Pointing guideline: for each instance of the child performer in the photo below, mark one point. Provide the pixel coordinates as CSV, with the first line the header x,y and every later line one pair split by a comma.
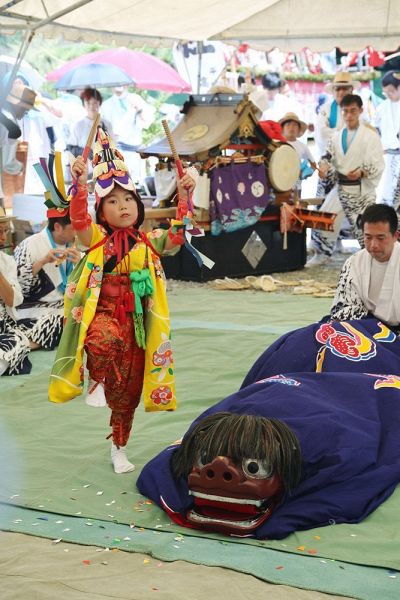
x,y
115,305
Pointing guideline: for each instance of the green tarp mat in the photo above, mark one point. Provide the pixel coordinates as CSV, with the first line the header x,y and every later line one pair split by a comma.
x,y
55,459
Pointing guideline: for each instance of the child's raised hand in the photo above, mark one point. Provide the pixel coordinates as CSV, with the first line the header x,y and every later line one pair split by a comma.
x,y
186,183
79,170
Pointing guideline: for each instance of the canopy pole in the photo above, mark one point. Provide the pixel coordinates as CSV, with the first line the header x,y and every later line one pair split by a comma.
x,y
200,54
61,13
9,4
21,53
28,38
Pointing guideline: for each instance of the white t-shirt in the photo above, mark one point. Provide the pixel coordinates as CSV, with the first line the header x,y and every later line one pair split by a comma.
x,y
387,119
303,151
81,129
127,122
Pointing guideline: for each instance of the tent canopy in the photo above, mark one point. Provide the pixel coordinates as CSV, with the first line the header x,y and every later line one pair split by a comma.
x,y
288,24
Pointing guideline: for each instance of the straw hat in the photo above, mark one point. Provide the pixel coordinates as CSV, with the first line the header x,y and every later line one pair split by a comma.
x,y
22,96
221,89
5,218
342,79
290,116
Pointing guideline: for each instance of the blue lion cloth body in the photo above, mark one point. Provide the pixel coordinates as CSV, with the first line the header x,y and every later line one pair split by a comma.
x,y
346,417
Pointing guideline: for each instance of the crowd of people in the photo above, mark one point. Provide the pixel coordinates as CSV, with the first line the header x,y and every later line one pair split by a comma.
x,y
96,285
63,124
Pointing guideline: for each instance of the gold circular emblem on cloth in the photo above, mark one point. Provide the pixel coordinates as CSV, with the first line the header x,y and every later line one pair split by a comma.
x,y
195,133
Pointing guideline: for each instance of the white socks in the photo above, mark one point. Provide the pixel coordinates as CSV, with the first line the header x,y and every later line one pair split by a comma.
x,y
96,396
3,366
118,458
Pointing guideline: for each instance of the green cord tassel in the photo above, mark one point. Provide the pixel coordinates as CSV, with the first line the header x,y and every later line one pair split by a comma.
x,y
142,286
140,333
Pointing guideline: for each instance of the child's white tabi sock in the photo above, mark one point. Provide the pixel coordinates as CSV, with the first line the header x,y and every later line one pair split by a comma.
x,y
95,396
119,460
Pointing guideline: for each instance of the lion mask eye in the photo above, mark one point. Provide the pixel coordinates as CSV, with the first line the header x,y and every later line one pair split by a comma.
x,y
255,468
201,460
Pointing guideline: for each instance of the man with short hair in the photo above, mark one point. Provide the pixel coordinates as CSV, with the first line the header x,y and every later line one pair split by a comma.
x,y
44,262
369,284
355,159
387,121
330,119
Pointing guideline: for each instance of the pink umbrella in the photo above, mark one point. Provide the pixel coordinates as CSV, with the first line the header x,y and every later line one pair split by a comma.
x,y
148,72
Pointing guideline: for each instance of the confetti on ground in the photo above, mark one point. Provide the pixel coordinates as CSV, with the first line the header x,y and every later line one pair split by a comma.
x,y
158,526
178,538
86,485
323,561
176,546
317,537
86,562
99,493
104,562
146,561
302,548
312,551
58,522
90,524
57,541
66,529
127,538
78,513
14,496
353,535
66,549
132,525
17,521
279,568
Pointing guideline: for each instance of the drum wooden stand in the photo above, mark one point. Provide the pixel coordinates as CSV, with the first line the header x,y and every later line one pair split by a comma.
x,y
226,250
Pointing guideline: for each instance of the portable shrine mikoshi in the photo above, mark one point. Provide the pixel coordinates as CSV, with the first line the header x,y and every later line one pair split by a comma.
x,y
247,170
